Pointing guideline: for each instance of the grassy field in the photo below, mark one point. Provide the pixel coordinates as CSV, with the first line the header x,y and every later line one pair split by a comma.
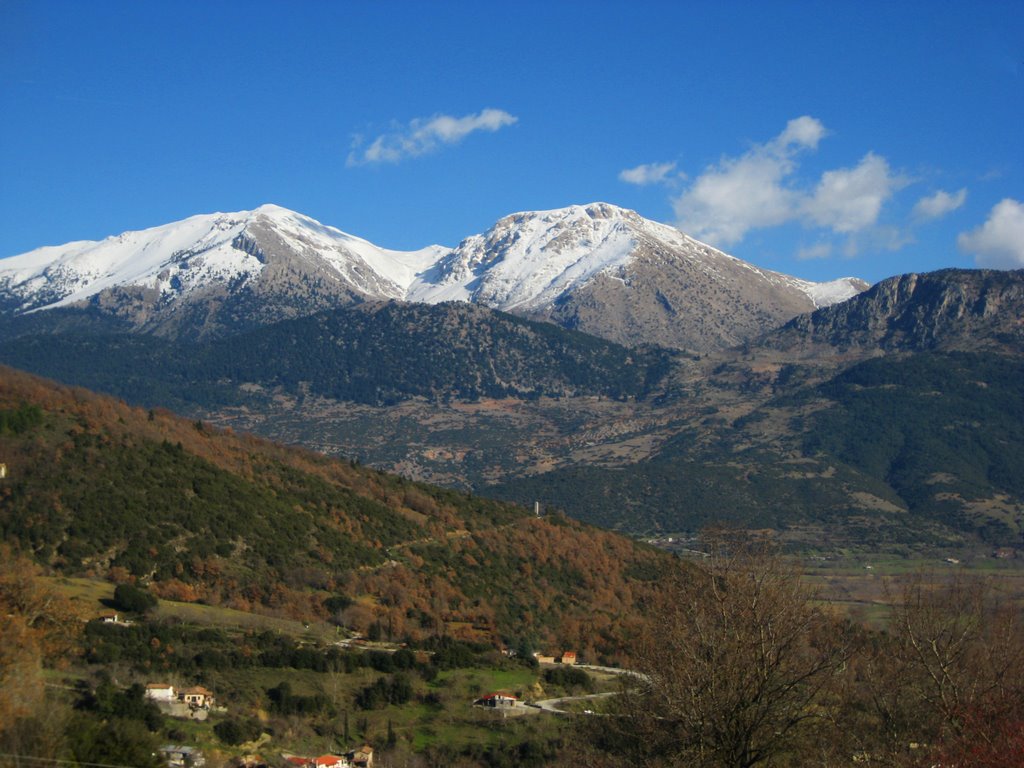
x,y
865,587
93,597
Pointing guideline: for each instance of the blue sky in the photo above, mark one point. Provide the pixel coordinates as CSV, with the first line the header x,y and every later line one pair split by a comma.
x,y
820,139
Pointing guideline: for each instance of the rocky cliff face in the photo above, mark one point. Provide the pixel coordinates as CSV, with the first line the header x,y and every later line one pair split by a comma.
x,y
951,309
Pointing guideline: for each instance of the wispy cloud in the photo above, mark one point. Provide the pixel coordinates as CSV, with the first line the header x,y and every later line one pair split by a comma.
x,y
938,205
999,242
425,135
648,173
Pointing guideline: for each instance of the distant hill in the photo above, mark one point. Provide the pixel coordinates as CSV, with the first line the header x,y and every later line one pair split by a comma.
x,y
896,418
898,452
377,354
97,487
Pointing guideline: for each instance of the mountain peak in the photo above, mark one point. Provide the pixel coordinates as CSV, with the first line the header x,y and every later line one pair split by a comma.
x,y
596,267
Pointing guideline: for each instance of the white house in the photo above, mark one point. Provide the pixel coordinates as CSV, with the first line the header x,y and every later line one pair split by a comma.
x,y
160,692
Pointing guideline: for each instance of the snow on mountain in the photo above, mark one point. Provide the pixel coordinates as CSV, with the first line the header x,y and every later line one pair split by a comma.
x,y
215,249
599,268
530,258
835,291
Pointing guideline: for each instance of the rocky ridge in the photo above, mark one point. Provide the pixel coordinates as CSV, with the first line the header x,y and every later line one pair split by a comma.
x,y
951,309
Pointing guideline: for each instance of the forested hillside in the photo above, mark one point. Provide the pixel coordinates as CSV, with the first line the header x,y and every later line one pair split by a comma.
x,y
96,487
377,355
906,451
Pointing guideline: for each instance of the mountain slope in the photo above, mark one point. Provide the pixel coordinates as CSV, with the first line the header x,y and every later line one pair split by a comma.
x,y
903,451
211,273
609,272
897,417
597,268
96,487
948,309
375,354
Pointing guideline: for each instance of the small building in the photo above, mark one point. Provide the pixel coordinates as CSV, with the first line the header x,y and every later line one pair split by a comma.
x,y
197,697
3,471
330,761
182,757
542,659
160,692
112,617
498,700
361,757
568,657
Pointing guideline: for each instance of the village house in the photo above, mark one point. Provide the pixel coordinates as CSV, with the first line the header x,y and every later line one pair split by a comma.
x,y
330,761
160,692
197,697
542,659
361,757
357,758
568,657
498,700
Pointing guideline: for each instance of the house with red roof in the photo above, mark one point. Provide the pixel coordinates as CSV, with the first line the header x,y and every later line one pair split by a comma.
x,y
499,700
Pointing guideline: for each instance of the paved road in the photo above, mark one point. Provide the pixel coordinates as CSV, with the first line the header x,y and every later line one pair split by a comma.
x,y
555,705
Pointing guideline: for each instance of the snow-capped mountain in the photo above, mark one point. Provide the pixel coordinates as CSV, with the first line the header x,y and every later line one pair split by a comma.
x,y
612,273
598,268
215,270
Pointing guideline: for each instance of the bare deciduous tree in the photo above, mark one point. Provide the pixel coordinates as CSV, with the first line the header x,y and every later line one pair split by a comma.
x,y
947,677
737,665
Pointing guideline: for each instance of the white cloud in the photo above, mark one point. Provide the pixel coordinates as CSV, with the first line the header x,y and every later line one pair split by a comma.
x,y
999,242
747,192
938,205
762,188
648,173
805,131
424,135
848,200
737,195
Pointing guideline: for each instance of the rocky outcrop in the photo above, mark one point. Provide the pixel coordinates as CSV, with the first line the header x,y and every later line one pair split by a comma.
x,y
946,310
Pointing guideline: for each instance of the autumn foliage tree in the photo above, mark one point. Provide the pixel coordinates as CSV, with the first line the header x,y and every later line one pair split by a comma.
x,y
39,628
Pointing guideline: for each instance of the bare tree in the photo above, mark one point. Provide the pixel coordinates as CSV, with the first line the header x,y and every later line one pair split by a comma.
x,y
737,666
947,679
